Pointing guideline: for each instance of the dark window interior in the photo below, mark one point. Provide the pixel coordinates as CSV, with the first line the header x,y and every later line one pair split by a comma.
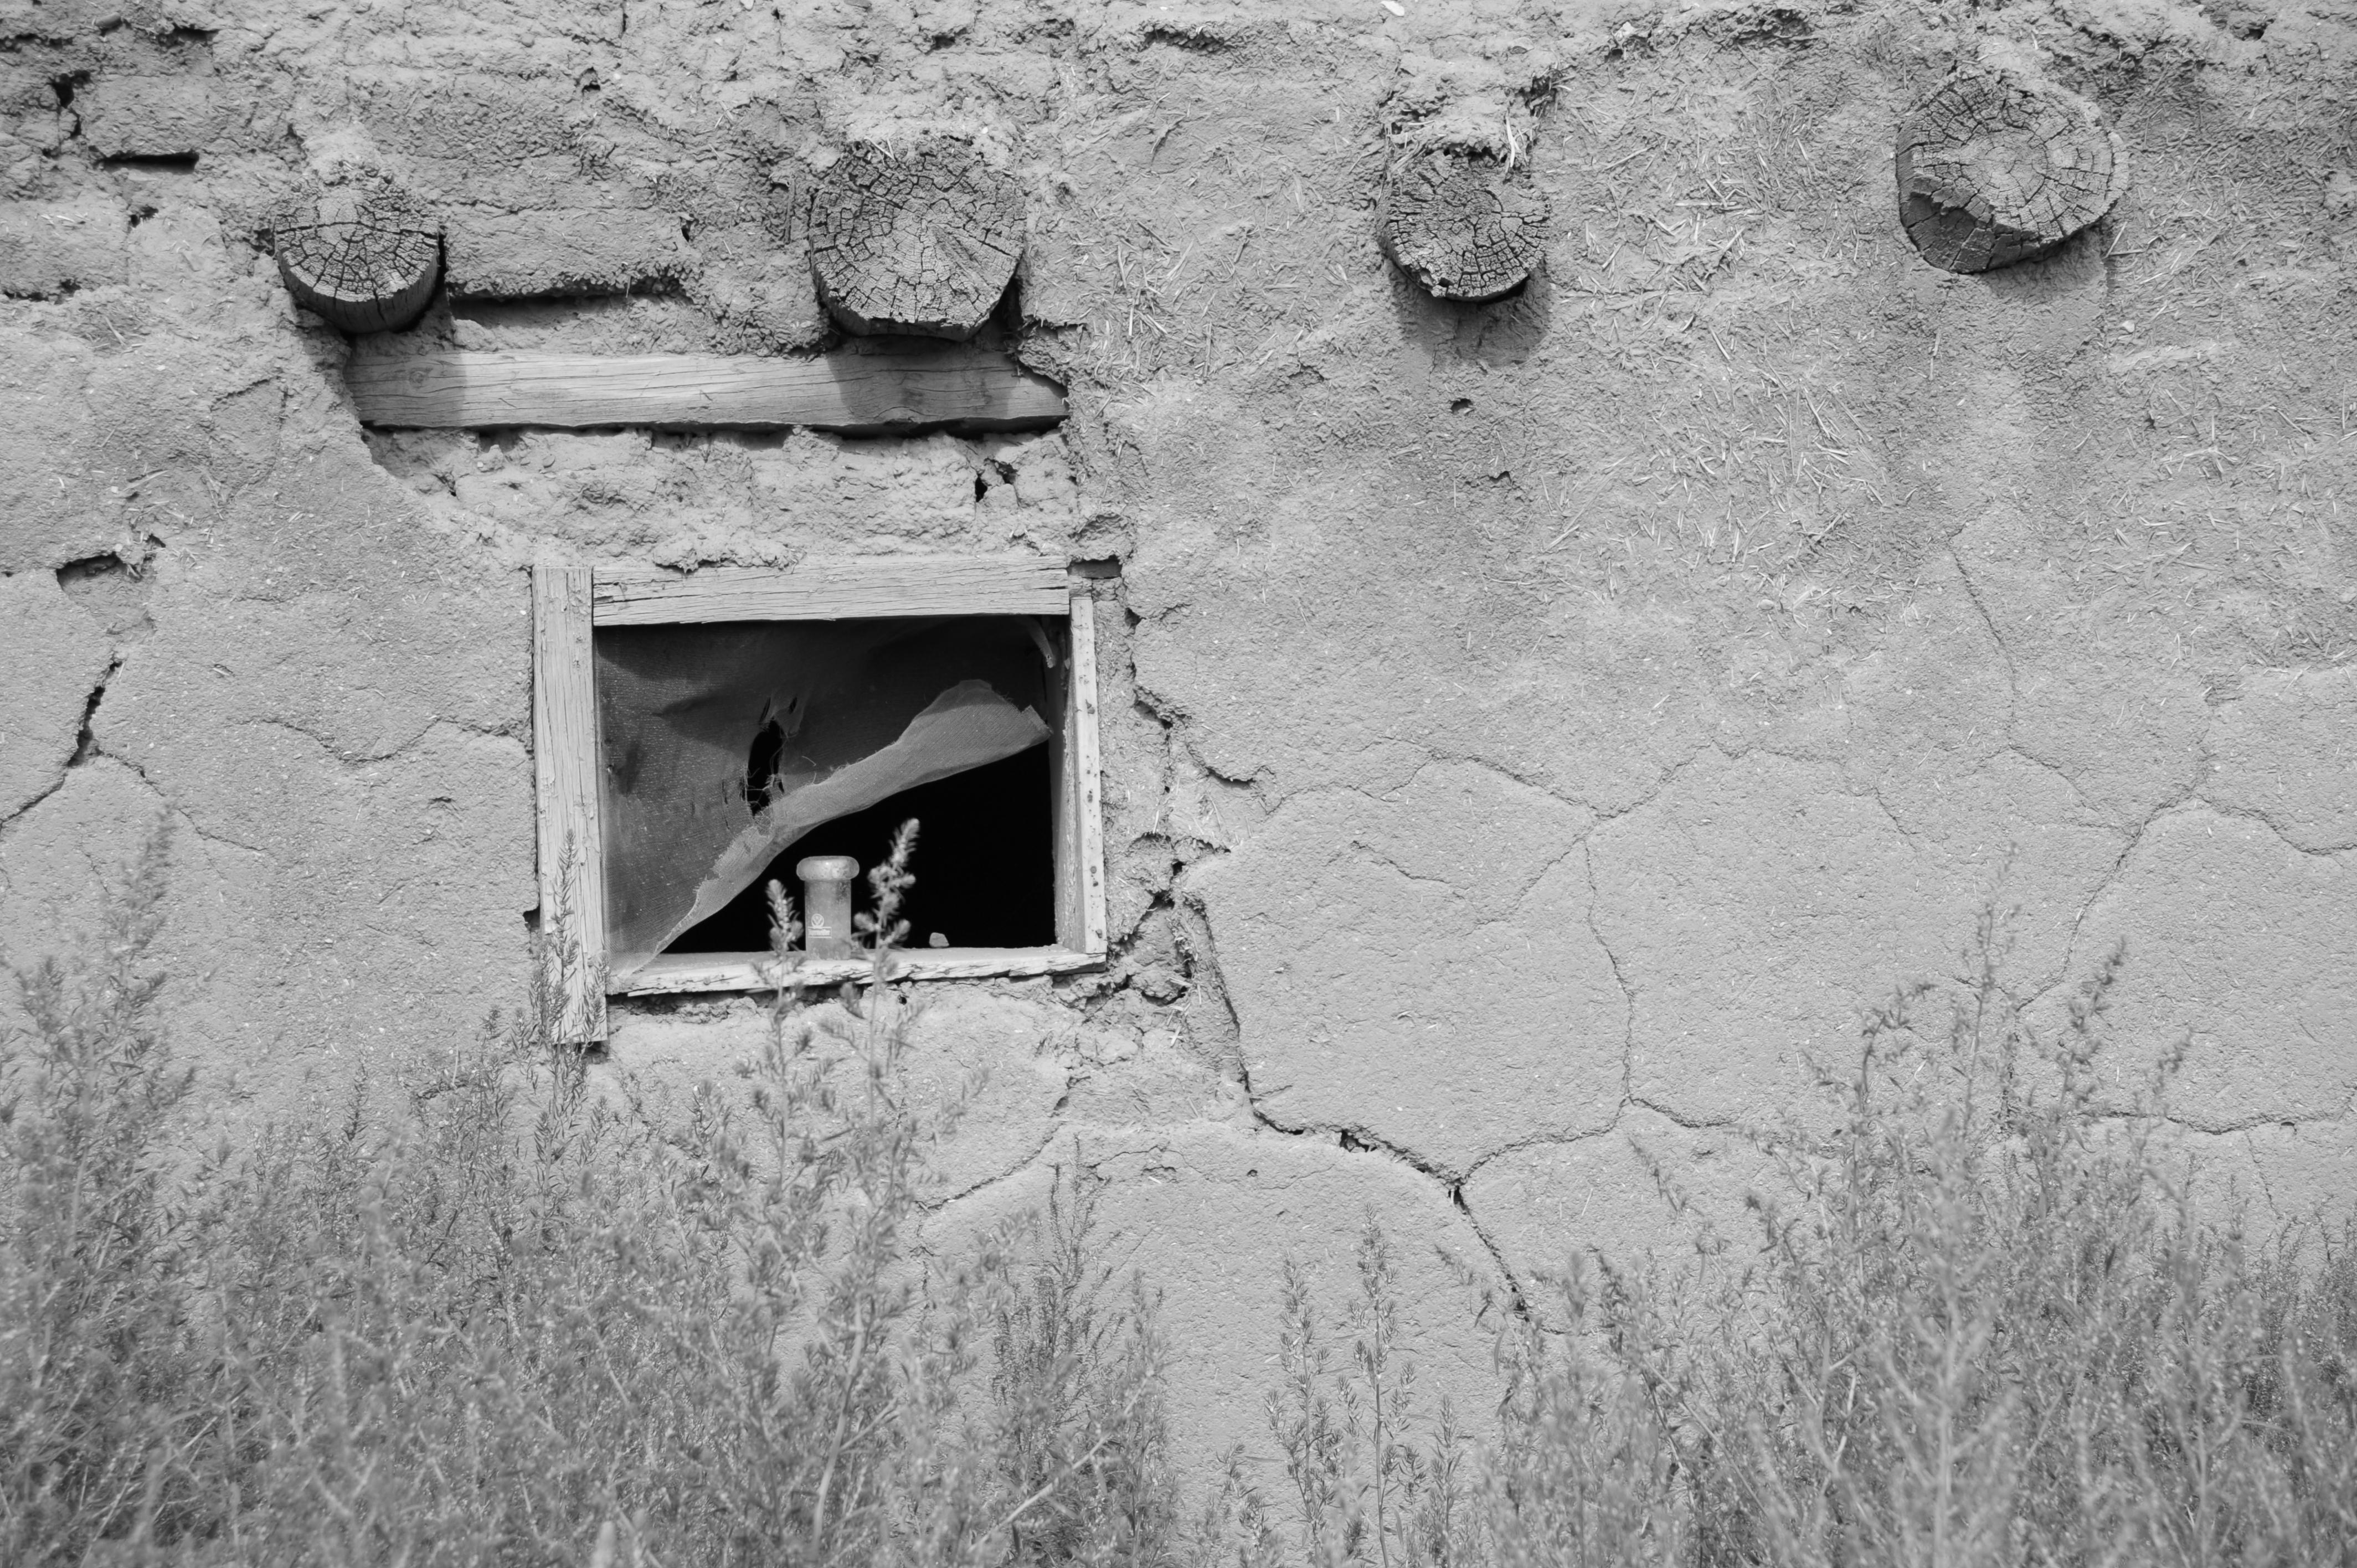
x,y
984,862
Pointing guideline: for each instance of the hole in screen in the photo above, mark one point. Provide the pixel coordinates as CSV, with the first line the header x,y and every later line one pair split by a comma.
x,y
985,863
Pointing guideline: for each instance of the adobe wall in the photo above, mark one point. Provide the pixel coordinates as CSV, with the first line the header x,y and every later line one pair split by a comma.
x,y
1531,728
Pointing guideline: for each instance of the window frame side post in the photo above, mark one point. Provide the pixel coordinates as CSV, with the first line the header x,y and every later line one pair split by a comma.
x,y
567,812
1064,805
1087,808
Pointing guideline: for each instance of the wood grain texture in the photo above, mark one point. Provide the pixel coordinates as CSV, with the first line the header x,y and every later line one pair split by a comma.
x,y
364,258
671,974
1992,170
1063,834
1089,806
566,768
836,590
1458,227
880,390
920,240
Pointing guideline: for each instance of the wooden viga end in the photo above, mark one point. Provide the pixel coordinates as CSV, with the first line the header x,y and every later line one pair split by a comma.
x,y
920,240
1453,221
1993,170
364,257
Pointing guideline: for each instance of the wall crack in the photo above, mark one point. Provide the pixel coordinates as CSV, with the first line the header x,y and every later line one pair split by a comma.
x,y
85,741
1619,977
1972,592
1360,1140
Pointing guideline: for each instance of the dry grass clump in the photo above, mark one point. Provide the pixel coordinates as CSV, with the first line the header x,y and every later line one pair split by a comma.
x,y
486,1315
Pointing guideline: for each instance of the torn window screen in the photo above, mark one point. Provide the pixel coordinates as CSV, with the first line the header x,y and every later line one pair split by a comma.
x,y
724,744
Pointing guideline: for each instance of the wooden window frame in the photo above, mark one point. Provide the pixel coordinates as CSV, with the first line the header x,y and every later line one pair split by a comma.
x,y
570,603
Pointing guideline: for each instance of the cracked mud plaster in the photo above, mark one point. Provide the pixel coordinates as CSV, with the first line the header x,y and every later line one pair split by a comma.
x,y
1554,719
1646,1189
992,1069
1420,964
733,498
1211,1215
1752,907
55,656
51,250
57,860
2285,749
2237,950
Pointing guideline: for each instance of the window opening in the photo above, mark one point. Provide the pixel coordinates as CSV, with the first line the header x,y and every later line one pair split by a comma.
x,y
732,750
697,736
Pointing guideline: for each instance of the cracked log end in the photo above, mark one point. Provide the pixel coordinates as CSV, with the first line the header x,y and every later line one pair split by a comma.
x,y
1994,171
1453,224
364,258
922,242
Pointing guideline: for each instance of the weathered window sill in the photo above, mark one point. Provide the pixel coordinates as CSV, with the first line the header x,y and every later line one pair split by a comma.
x,y
671,974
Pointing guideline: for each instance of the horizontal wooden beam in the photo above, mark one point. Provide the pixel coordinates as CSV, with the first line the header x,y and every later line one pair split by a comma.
x,y
836,590
877,390
671,973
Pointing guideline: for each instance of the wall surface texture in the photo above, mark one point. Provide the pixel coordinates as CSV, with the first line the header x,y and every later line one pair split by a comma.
x,y
1533,731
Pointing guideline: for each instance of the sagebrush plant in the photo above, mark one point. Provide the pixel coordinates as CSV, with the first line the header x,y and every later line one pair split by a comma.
x,y
1369,1480
485,1307
1993,1321
98,1340
1988,1321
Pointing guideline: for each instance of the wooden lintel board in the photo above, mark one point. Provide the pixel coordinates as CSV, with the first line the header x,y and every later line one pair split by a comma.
x,y
856,392
842,590
671,973
566,767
